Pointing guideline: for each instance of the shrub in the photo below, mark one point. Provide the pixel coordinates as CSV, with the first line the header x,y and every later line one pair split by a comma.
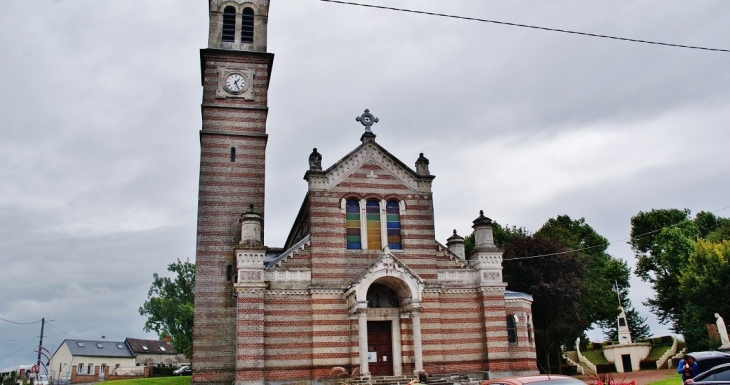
x,y
569,370
647,365
605,368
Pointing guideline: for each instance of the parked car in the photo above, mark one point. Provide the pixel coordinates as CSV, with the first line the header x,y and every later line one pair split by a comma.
x,y
708,360
720,374
182,371
542,379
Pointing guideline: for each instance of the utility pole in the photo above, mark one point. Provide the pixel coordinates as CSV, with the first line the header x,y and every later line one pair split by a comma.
x,y
40,344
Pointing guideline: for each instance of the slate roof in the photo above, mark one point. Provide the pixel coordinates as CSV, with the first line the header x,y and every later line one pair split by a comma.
x,y
152,346
99,348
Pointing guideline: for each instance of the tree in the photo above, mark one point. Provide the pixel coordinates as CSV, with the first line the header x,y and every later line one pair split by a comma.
x,y
637,324
705,280
555,290
670,245
169,306
599,304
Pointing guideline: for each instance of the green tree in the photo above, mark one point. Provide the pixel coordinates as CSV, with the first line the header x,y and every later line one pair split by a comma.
x,y
702,284
169,306
637,324
599,302
662,241
685,260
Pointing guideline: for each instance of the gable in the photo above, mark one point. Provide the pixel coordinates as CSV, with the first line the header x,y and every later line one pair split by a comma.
x,y
369,162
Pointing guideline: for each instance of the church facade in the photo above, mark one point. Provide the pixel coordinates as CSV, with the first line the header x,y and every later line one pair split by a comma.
x,y
361,282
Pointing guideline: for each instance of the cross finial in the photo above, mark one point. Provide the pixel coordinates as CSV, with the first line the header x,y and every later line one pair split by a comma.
x,y
367,119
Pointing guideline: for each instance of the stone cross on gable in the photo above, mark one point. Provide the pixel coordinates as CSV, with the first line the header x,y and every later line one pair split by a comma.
x,y
367,119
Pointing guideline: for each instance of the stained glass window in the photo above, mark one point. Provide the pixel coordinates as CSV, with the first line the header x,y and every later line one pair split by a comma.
x,y
392,211
372,211
352,217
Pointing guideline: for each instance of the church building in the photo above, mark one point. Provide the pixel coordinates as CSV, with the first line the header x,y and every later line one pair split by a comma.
x,y
361,282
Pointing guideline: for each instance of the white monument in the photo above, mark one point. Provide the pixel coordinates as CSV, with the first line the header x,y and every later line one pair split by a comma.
x,y
722,329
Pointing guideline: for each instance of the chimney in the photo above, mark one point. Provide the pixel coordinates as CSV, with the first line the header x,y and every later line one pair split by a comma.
x,y
103,338
167,340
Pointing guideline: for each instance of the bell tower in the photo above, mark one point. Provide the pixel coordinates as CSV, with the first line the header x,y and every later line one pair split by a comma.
x,y
235,71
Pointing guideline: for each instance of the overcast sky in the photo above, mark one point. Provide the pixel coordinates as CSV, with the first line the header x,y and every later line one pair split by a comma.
x,y
100,114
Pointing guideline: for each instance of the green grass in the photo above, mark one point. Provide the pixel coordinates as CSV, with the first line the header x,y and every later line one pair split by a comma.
x,y
657,352
674,379
182,380
596,357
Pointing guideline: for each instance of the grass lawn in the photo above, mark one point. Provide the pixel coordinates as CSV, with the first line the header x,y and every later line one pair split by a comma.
x,y
181,380
657,352
596,357
676,379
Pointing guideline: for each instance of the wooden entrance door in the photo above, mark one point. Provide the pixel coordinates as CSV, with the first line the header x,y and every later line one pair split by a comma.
x,y
380,348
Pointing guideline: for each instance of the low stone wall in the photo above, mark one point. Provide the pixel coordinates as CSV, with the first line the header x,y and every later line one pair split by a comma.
x,y
118,374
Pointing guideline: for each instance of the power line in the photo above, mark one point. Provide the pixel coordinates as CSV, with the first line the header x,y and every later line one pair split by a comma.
x,y
525,26
13,353
610,243
19,323
66,333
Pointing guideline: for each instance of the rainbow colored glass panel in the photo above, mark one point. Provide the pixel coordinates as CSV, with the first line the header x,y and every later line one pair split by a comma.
x,y
372,215
392,211
352,217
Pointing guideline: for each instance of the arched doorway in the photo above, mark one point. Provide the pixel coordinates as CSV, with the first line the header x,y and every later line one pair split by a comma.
x,y
385,293
380,330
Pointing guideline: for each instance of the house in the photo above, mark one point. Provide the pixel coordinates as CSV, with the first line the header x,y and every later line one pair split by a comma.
x,y
361,283
152,352
88,360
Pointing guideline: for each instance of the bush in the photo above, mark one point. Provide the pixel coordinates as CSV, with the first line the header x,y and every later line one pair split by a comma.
x,y
159,371
605,368
647,365
569,370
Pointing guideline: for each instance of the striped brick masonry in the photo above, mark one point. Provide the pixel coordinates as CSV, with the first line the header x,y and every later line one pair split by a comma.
x,y
369,290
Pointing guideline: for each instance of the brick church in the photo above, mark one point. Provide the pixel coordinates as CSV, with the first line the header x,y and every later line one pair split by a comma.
x,y
361,282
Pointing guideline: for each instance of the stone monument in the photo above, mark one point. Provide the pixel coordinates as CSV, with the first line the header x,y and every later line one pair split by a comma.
x,y
722,329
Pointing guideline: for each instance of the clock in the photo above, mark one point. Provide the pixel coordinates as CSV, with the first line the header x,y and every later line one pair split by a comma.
x,y
236,83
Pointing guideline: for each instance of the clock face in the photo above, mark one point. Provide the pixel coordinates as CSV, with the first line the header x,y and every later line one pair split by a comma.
x,y
236,83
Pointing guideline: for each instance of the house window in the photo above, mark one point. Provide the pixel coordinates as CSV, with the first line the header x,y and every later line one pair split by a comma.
x,y
392,211
247,26
352,219
511,329
229,24
80,368
372,215
90,368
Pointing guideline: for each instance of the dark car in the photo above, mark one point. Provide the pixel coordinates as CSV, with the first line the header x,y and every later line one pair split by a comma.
x,y
183,371
542,379
708,360
720,374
